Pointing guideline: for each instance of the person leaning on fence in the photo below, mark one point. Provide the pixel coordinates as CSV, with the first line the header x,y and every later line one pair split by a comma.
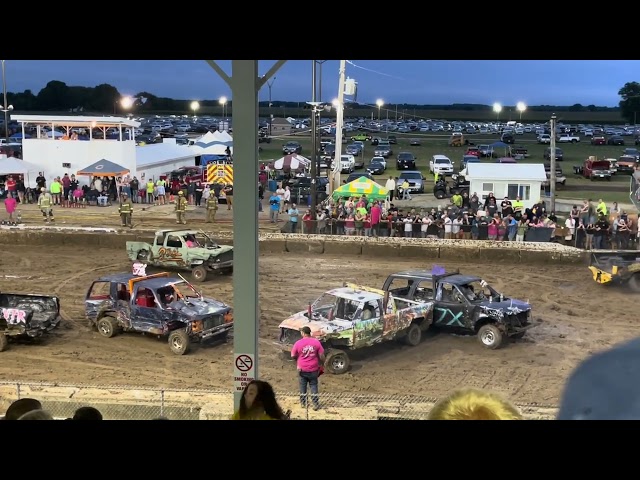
x,y
474,404
258,402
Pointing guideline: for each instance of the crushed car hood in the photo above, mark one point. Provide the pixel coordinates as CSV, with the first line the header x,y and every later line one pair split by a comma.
x,y
205,252
199,308
319,328
505,307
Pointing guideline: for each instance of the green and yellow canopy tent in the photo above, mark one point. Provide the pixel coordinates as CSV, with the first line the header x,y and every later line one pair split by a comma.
x,y
359,187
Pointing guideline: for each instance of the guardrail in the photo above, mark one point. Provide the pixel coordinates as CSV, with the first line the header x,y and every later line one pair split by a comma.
x,y
140,403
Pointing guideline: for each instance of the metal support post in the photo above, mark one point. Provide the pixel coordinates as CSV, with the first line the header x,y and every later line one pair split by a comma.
x,y
552,166
314,140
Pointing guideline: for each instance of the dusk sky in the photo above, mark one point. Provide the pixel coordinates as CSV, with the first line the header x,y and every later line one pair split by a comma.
x,y
535,82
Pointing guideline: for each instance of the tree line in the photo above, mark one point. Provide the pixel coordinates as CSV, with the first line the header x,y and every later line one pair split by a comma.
x,y
57,96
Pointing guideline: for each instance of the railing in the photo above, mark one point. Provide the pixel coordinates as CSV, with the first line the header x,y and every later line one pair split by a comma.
x,y
140,403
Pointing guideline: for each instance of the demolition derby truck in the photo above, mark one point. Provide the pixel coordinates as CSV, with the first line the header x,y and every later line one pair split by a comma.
x,y
26,316
621,267
355,317
158,305
463,304
184,250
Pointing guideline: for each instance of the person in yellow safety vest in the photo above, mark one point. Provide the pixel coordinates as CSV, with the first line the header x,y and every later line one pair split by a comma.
x,y
181,208
518,207
601,209
125,210
212,208
436,177
44,202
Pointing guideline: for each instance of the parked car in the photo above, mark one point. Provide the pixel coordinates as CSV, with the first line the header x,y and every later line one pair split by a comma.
x,y
441,164
627,164
559,154
375,167
291,147
486,151
383,149
633,152
406,161
507,138
415,179
598,140
466,159
415,142
615,140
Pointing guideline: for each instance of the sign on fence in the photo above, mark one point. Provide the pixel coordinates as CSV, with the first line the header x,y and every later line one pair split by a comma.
x,y
243,371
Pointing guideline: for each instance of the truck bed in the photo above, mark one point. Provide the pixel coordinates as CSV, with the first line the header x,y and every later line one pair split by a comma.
x,y
608,259
42,311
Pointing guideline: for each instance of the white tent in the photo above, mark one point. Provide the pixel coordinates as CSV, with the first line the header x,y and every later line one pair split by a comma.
x,y
212,144
291,162
223,137
12,165
207,138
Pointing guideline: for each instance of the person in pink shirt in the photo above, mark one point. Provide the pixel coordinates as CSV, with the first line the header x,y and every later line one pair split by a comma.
x,y
376,215
309,355
10,203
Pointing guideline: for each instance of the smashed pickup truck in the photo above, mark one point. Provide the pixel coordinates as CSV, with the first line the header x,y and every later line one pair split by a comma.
x,y
159,305
26,316
463,304
354,317
185,250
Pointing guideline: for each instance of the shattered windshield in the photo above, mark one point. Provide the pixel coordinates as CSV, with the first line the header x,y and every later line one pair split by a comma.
x,y
478,291
330,307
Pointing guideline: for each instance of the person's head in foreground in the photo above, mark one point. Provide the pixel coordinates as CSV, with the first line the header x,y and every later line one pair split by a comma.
x,y
259,402
36,415
473,404
87,413
20,407
604,386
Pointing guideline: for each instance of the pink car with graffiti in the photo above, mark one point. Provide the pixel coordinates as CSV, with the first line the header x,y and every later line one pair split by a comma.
x,y
26,316
354,317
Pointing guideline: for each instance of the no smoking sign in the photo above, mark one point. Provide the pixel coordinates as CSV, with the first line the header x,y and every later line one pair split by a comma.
x,y
244,368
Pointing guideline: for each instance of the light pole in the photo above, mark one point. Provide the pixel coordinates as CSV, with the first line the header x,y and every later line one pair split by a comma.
x,y
270,84
320,62
379,103
125,102
195,106
521,107
552,162
5,108
497,108
223,102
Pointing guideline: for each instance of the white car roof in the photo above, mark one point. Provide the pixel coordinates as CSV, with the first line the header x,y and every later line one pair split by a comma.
x,y
355,295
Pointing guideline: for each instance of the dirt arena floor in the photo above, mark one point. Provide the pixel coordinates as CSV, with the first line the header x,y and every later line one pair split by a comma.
x,y
576,318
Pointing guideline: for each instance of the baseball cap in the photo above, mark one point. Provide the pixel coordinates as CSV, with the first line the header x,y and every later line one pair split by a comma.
x,y
605,386
306,330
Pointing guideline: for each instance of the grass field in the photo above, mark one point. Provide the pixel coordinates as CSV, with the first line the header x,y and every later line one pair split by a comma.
x,y
574,154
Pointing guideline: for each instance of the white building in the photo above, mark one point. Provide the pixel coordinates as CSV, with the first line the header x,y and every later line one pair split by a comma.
x,y
67,144
511,180
157,159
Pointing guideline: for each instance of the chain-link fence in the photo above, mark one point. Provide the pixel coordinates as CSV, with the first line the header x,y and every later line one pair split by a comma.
x,y
634,189
139,403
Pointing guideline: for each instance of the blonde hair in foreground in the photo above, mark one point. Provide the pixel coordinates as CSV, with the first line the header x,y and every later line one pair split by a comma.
x,y
472,404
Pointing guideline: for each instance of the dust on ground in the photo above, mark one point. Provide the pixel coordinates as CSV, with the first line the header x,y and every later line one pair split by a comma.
x,y
576,318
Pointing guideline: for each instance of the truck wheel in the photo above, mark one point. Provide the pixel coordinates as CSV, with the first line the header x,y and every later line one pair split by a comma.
x,y
337,362
633,282
440,194
179,342
107,327
199,273
143,255
414,335
490,336
4,342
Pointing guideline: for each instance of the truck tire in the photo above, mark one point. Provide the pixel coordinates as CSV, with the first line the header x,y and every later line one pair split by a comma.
x,y
633,282
179,342
107,327
337,362
490,336
199,273
143,255
440,194
4,342
413,335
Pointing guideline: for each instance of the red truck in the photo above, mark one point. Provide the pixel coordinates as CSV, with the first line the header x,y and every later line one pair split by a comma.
x,y
597,169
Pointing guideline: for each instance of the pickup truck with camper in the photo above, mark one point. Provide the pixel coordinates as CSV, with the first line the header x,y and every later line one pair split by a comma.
x,y
463,304
185,250
354,317
26,316
441,164
568,138
161,305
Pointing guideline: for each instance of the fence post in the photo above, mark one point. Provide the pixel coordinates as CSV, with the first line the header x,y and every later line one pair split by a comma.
x,y
162,403
18,393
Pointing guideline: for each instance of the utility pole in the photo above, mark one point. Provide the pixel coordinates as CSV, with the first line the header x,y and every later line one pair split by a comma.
x,y
335,173
6,108
314,140
552,161
320,62
270,84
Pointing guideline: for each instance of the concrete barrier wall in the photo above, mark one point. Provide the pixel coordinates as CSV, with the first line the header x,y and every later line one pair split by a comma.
x,y
275,243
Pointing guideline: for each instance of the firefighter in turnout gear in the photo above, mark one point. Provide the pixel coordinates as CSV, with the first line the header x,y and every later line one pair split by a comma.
x,y
44,202
125,210
181,208
212,208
